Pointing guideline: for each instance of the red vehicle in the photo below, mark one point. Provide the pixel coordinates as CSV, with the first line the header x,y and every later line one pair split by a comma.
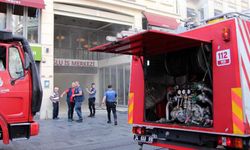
x,y
190,90
20,89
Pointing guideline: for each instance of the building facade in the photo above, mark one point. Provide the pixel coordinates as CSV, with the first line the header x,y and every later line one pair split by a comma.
x,y
62,31
204,9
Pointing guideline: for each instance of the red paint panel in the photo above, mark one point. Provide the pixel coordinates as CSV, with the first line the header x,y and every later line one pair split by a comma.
x,y
224,77
15,99
174,147
136,87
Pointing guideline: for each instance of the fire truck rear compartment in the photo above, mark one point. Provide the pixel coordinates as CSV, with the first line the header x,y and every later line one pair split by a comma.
x,y
178,87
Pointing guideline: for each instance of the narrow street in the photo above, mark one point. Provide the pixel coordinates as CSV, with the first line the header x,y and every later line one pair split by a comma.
x,y
92,134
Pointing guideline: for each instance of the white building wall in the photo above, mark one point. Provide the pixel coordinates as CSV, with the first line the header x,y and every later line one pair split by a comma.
x,y
47,64
222,5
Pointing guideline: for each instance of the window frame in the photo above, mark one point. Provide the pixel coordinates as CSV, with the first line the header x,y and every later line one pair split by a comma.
x,y
8,61
25,19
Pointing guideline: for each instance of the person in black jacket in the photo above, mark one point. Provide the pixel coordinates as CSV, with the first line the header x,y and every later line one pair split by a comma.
x,y
70,101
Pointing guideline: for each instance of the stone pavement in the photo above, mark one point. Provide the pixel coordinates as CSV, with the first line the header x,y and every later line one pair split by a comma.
x,y
92,134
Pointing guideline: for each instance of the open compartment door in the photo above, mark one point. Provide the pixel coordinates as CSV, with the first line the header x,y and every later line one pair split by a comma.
x,y
177,77
150,42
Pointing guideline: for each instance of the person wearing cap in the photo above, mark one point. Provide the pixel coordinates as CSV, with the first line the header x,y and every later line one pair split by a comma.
x,y
92,98
78,98
110,100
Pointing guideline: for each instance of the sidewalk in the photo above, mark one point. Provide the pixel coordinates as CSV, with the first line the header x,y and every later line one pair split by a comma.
x,y
120,109
85,111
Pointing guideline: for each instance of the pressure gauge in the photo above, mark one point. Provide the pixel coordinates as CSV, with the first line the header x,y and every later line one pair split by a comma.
x,y
179,92
183,91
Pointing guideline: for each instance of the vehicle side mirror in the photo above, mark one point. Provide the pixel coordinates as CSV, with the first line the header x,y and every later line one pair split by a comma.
x,y
27,61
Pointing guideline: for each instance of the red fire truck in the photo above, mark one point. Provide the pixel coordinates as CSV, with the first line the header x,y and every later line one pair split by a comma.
x,y
20,89
190,90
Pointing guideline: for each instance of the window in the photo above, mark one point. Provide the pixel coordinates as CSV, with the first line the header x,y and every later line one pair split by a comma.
x,y
32,24
119,77
144,23
127,81
201,13
217,12
17,20
3,11
2,58
218,4
113,77
120,88
191,13
23,21
74,36
15,63
231,8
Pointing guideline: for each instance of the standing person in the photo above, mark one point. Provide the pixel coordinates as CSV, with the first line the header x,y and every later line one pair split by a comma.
x,y
92,98
70,101
55,101
78,98
110,99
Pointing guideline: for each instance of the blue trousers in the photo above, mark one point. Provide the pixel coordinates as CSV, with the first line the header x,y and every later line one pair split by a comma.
x,y
78,109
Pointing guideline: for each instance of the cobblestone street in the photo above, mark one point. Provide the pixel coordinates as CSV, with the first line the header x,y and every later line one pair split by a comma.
x,y
92,134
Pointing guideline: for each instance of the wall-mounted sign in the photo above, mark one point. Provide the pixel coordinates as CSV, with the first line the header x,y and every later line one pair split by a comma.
x,y
75,62
37,52
46,84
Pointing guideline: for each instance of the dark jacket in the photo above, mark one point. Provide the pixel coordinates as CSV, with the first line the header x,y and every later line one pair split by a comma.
x,y
79,98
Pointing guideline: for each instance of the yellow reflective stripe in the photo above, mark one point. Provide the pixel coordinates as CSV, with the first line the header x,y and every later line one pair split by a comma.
x,y
237,111
236,129
237,91
130,108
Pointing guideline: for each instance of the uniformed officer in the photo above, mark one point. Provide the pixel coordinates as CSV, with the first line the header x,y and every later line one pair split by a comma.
x,y
92,98
78,97
110,100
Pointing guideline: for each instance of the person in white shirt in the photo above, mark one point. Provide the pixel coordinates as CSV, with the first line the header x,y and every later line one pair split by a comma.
x,y
55,101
